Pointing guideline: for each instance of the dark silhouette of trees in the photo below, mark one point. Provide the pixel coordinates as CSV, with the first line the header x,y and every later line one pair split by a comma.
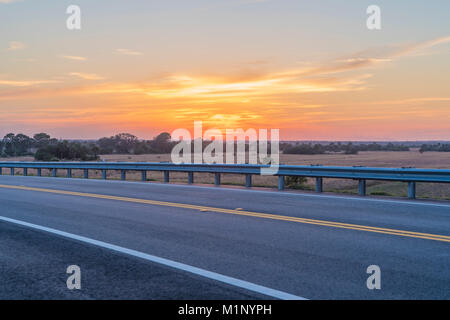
x,y
125,143
66,150
122,143
44,147
16,145
161,143
42,139
439,147
349,148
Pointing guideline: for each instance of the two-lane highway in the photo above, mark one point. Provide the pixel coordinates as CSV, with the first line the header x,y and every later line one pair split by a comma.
x,y
205,242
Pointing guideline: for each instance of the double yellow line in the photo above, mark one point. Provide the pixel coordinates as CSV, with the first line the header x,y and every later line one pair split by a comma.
x,y
396,232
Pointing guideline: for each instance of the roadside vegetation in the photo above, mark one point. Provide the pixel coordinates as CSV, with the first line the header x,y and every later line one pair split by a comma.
x,y
44,148
439,147
338,147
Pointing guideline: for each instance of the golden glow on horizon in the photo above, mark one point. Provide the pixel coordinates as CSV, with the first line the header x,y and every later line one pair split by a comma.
x,y
335,99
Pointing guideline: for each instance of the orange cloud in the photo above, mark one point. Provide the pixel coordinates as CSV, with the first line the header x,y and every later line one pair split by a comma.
x,y
75,58
86,76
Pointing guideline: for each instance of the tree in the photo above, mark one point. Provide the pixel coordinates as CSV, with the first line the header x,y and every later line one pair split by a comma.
x,y
8,144
22,143
41,139
125,142
161,143
16,145
66,150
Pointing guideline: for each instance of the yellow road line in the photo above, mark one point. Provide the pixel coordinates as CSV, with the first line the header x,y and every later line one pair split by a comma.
x,y
396,232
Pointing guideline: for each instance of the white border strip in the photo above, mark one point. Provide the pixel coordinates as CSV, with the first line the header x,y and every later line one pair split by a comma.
x,y
173,264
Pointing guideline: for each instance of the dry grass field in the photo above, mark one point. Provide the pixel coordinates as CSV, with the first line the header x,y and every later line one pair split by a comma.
x,y
411,158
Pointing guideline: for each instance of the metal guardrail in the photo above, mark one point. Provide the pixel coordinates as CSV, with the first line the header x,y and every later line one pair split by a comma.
x,y
409,175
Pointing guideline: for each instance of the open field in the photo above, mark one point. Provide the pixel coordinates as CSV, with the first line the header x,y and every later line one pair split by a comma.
x,y
411,158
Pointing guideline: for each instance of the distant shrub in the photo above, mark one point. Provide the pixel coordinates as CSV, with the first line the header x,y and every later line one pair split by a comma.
x,y
348,148
43,155
439,147
65,150
380,193
295,182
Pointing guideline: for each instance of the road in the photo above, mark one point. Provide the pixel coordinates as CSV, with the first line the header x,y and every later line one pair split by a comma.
x,y
163,241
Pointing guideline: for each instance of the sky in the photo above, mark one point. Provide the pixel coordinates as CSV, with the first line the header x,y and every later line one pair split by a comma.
x,y
309,68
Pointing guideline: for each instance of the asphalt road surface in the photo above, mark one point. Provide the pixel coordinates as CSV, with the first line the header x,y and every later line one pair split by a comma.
x,y
161,241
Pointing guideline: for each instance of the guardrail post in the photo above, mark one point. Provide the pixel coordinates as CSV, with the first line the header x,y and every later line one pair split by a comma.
x,y
69,173
86,173
319,184
217,179
190,177
123,174
144,175
54,172
411,189
12,171
281,183
104,174
248,180
362,187
166,177
39,172
25,171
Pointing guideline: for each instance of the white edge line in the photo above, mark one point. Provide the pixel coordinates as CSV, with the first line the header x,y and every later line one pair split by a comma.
x,y
280,193
173,264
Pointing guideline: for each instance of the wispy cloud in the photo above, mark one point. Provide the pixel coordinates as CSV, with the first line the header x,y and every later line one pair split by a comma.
x,y
391,52
408,49
16,45
128,52
76,58
86,76
25,83
370,57
412,100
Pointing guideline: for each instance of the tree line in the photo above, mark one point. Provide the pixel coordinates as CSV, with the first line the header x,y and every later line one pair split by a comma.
x,y
45,148
346,148
439,147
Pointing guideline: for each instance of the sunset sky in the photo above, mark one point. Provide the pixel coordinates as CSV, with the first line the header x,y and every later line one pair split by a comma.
x,y
310,68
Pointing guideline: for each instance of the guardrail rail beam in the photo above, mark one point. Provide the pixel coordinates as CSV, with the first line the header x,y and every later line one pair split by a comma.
x,y
408,175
